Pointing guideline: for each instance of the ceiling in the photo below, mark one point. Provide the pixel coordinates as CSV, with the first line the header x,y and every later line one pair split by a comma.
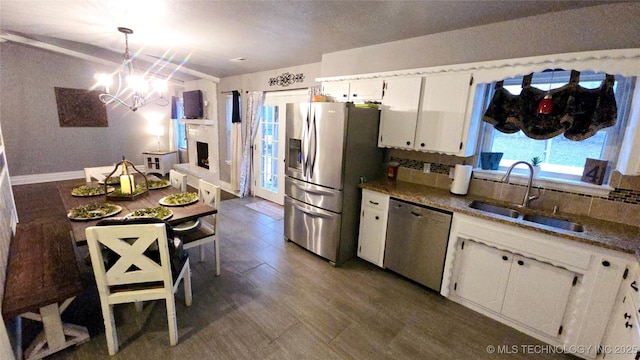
x,y
268,34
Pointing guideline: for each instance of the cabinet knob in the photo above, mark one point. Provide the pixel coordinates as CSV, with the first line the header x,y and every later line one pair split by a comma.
x,y
628,325
505,258
355,95
627,316
634,285
606,263
422,144
520,262
408,142
377,218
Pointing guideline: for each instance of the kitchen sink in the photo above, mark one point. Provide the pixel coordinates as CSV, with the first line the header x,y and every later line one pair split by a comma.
x,y
494,209
554,222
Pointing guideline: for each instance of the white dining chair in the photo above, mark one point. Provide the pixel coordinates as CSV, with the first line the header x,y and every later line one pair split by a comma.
x,y
178,180
208,230
99,172
137,260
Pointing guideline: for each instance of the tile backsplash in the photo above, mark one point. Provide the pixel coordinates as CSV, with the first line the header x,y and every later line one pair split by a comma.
x,y
622,205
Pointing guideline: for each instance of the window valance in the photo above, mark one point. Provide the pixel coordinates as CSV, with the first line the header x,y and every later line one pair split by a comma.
x,y
577,112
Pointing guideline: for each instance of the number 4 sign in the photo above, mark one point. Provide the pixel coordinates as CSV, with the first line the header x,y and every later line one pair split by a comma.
x,y
594,170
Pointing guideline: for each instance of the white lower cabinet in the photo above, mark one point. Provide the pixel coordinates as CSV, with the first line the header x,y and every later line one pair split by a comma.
x,y
525,290
622,341
560,291
373,226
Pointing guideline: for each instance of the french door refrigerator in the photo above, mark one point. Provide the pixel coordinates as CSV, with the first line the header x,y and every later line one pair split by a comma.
x,y
331,147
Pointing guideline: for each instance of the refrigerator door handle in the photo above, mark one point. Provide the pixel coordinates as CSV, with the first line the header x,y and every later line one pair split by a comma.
x,y
310,213
312,191
305,145
313,147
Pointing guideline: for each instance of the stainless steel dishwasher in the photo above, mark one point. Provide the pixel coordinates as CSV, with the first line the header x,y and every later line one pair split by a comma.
x,y
416,243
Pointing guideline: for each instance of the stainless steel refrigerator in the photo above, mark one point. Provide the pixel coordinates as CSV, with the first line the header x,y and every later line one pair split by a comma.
x,y
330,148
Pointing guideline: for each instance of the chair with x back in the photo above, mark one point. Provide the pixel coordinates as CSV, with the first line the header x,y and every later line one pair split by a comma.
x,y
99,172
208,230
137,260
178,180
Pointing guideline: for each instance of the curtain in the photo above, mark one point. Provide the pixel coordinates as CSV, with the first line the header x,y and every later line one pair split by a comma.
x,y
576,112
236,142
250,129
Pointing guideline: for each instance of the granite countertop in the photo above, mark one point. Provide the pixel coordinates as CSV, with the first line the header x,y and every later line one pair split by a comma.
x,y
605,234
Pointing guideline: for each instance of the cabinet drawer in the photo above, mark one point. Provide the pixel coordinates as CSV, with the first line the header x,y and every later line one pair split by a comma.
x,y
375,200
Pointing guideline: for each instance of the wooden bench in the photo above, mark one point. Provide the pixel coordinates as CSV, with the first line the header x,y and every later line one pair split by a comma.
x,y
42,280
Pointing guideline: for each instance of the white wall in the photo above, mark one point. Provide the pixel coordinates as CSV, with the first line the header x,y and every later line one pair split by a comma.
x,y
35,142
612,26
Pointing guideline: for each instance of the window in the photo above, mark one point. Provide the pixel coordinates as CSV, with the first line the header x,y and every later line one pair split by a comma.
x,y
228,124
561,158
181,136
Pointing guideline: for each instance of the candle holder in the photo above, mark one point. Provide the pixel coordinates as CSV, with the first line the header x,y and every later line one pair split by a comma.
x,y
127,190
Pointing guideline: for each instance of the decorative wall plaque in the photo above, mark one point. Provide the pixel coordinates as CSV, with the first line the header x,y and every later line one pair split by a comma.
x,y
594,171
80,108
286,79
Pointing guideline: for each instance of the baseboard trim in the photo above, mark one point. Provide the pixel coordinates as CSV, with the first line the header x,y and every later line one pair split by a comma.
x,y
42,178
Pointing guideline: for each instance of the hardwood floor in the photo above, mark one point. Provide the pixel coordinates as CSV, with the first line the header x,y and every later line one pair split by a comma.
x,y
275,300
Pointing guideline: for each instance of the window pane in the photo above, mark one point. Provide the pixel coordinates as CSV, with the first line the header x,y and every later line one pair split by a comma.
x,y
516,146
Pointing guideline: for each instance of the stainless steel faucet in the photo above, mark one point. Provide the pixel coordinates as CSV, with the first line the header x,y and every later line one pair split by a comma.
x,y
527,196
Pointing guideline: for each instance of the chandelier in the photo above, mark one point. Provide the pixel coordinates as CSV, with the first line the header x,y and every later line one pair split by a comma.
x,y
141,91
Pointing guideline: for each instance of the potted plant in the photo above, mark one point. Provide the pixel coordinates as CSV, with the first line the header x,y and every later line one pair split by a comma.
x,y
535,162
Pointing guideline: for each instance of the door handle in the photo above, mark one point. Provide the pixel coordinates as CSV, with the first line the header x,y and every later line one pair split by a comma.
x,y
312,191
374,203
310,213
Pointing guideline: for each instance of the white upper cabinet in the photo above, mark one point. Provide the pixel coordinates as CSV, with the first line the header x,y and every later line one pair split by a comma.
x,y
363,90
355,91
443,114
399,112
429,114
336,90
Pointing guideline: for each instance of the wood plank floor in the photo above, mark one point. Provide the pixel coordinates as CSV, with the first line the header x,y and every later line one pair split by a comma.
x,y
275,300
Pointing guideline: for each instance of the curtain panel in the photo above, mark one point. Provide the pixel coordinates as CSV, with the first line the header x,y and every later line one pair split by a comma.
x,y
250,129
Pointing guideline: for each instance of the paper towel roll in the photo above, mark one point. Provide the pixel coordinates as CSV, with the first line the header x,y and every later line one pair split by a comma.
x,y
461,179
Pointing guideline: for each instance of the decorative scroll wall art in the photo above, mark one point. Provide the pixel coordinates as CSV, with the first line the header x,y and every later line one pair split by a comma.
x,y
286,79
578,112
80,108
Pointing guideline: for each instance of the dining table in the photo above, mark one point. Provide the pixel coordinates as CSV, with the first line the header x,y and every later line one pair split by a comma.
x,y
181,214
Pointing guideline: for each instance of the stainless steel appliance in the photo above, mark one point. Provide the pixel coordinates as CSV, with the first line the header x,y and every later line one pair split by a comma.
x,y
416,243
330,147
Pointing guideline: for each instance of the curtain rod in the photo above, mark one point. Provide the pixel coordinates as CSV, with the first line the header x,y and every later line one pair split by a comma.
x,y
230,91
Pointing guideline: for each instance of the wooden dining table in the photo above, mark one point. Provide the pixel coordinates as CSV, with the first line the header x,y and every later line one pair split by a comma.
x,y
181,214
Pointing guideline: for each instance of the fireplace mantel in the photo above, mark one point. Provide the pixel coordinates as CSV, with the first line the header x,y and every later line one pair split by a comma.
x,y
204,122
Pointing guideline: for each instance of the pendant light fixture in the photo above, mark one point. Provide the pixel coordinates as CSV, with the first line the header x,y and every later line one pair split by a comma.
x,y
545,106
136,85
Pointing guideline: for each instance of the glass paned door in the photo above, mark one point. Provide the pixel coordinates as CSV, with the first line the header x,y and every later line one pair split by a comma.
x,y
269,145
269,154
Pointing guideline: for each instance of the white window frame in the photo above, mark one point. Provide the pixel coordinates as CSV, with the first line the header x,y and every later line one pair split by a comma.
x,y
229,124
552,176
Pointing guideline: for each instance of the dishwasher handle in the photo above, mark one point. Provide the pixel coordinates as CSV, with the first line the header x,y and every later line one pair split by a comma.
x,y
416,214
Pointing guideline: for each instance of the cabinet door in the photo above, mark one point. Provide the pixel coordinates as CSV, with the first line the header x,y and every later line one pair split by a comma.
x,y
442,118
537,294
338,91
623,333
362,90
399,114
483,274
372,233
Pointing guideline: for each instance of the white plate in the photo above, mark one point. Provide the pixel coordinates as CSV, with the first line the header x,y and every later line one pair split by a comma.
x,y
186,226
110,189
117,210
130,215
163,202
